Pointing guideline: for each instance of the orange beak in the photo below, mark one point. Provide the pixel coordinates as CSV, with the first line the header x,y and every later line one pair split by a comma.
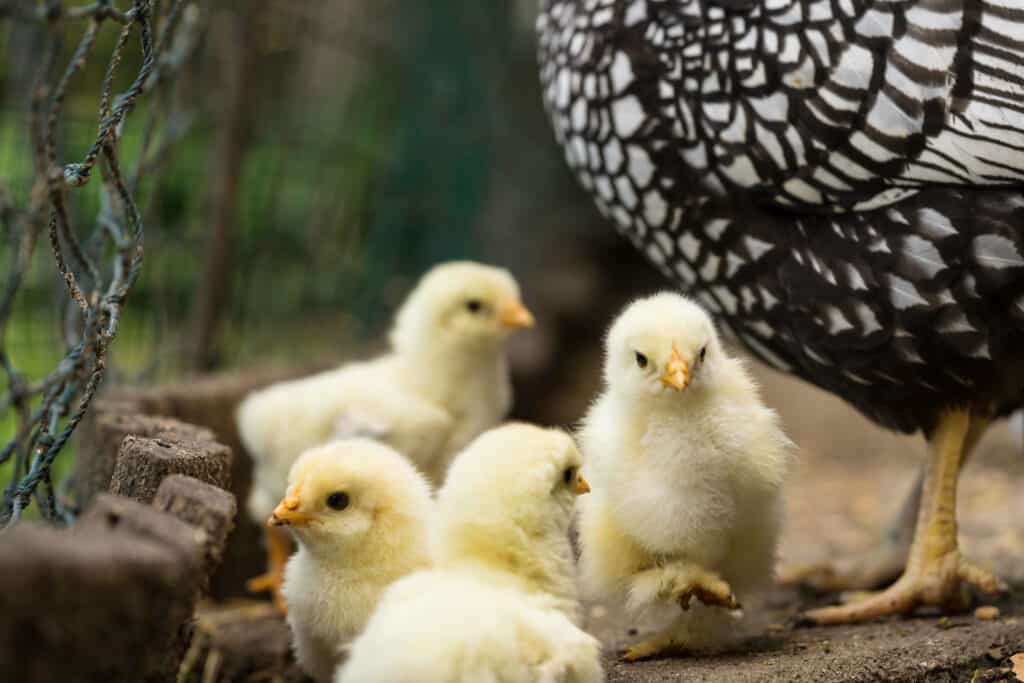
x,y
677,372
287,513
515,315
581,485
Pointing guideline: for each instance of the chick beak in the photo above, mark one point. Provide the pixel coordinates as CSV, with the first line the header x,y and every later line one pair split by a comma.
x,y
581,485
514,315
677,372
287,513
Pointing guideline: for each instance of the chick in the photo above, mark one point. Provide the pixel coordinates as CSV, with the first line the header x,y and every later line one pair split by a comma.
x,y
445,380
500,603
687,465
360,513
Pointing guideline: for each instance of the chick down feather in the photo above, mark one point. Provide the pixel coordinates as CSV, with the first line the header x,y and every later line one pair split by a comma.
x,y
500,604
687,466
360,513
444,381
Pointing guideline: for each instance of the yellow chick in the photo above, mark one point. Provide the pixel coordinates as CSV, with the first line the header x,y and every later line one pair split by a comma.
x,y
500,604
360,513
687,465
444,381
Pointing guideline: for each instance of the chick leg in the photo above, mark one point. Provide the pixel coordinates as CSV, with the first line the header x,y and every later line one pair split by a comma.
x,y
873,568
936,573
279,547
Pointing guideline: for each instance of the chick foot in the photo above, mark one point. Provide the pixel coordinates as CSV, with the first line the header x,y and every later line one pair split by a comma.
x,y
661,644
270,581
680,582
710,590
650,648
941,584
279,547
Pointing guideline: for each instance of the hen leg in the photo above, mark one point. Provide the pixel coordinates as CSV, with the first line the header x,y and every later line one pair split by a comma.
x,y
279,547
936,573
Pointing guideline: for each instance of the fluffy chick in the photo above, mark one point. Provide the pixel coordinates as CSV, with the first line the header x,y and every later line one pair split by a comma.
x,y
360,513
500,604
687,465
444,381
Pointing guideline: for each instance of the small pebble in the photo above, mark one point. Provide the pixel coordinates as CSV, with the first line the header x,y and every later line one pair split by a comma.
x,y
775,628
987,613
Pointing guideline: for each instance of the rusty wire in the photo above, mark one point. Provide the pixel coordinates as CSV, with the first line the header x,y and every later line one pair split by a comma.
x,y
49,409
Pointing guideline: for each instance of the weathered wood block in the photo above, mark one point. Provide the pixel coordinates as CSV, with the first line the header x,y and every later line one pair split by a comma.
x,y
210,402
94,605
143,463
205,507
114,419
186,542
116,513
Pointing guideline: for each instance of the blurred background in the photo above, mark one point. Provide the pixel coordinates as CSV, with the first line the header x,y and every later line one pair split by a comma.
x,y
319,156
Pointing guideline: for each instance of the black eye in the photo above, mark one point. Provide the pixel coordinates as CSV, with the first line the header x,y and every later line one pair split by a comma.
x,y
337,500
474,305
569,475
641,360
703,350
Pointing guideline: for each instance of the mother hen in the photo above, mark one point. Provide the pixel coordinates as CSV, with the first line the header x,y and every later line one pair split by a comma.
x,y
842,183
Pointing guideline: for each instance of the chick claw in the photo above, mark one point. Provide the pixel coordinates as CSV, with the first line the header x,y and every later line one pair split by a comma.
x,y
711,591
716,596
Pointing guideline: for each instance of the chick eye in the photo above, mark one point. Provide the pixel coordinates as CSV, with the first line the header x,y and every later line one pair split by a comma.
x,y
641,360
337,500
474,305
703,350
569,475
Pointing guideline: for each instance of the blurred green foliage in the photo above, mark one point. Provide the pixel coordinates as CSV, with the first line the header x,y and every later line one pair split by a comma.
x,y
346,194
343,198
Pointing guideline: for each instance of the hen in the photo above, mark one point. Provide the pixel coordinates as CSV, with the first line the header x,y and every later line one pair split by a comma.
x,y
842,183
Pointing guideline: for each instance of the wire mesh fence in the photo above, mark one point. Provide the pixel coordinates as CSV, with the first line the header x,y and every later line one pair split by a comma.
x,y
98,260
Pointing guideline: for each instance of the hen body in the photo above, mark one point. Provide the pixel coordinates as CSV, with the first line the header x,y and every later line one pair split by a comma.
x,y
841,183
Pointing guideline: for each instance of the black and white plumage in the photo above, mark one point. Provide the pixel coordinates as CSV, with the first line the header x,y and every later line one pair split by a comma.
x,y
840,181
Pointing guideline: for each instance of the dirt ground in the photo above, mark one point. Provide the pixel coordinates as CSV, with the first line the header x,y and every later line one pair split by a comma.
x,y
850,479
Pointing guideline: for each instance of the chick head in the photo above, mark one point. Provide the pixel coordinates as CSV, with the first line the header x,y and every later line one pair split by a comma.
x,y
347,494
660,346
512,487
461,304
